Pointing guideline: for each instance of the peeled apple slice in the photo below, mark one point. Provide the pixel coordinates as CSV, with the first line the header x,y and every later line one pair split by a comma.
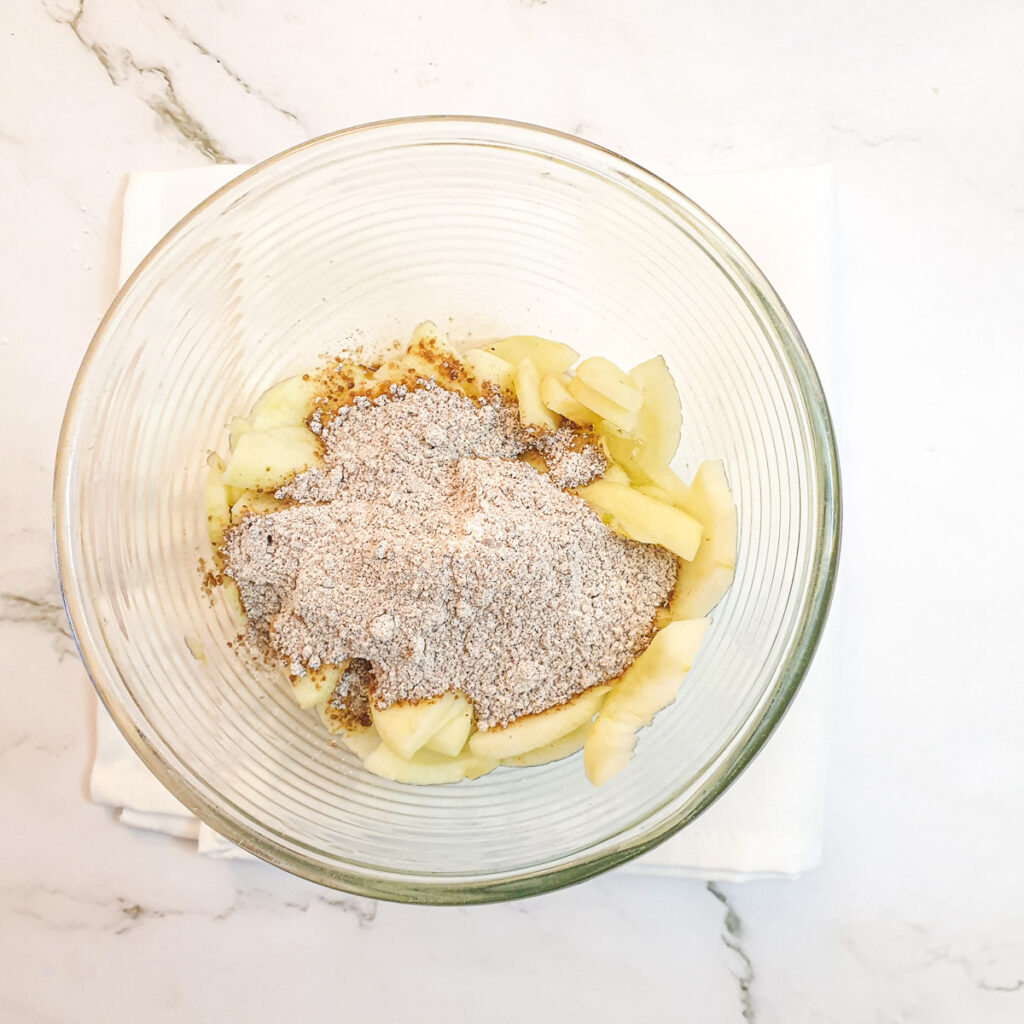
x,y
703,582
601,404
644,518
286,404
606,378
555,395
547,356
554,751
317,686
452,736
407,727
533,731
254,503
648,685
532,411
426,768
362,742
265,459
488,368
660,419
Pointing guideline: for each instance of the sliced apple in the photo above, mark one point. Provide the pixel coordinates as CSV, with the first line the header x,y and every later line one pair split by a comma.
x,y
237,426
601,405
660,418
644,518
452,736
487,368
703,582
362,742
286,404
265,459
547,356
533,731
555,395
215,500
254,503
532,411
606,378
317,685
554,751
426,768
645,688
615,474
407,727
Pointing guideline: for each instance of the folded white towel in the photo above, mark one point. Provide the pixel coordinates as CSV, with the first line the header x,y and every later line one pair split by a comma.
x,y
769,823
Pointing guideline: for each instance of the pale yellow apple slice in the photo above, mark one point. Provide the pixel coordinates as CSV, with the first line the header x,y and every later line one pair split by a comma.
x,y
601,404
452,736
233,602
532,411
660,418
487,368
615,474
286,404
546,355
406,727
215,500
426,768
564,746
703,582
606,378
237,426
648,685
533,731
265,459
362,742
254,503
644,518
555,395
316,685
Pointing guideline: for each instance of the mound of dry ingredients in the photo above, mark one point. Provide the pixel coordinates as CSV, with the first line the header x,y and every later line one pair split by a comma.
x,y
424,547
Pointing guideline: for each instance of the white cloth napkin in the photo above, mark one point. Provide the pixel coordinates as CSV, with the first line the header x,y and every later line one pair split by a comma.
x,y
769,823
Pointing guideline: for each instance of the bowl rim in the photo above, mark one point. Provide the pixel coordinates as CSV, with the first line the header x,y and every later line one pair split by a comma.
x,y
441,890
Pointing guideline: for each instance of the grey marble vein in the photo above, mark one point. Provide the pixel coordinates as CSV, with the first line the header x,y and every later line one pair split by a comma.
x,y
247,87
42,613
152,84
120,915
732,937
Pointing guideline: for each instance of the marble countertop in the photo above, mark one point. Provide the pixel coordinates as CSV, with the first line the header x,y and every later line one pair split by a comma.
x,y
917,913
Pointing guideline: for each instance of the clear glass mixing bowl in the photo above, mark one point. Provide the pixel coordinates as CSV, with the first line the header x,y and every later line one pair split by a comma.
x,y
489,228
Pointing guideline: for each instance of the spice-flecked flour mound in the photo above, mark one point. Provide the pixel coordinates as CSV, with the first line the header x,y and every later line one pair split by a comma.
x,y
424,547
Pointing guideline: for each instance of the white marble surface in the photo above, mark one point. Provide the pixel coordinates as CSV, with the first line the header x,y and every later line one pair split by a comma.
x,y
917,913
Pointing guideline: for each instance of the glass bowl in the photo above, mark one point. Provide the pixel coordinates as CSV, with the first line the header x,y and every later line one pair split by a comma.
x,y
488,228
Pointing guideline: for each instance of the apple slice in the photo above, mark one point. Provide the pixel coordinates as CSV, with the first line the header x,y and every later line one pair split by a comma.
x,y
555,395
601,404
426,768
237,426
452,736
265,459
215,500
547,356
605,377
317,686
407,727
644,518
254,503
362,742
286,404
703,582
487,368
648,685
554,751
661,418
532,411
533,731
